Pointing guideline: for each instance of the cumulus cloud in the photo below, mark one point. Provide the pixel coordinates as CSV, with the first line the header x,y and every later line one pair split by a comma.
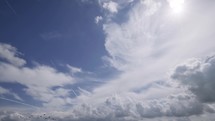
x,y
41,75
98,19
198,76
116,108
111,6
9,53
142,48
38,80
9,116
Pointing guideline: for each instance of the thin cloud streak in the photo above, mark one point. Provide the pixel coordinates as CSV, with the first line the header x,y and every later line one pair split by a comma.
x,y
18,102
9,5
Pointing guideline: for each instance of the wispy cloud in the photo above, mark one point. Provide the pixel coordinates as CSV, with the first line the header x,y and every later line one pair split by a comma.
x,y
9,5
144,49
73,70
9,53
38,80
4,91
50,35
22,103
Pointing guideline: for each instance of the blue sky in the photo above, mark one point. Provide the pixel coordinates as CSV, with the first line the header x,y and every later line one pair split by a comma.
x,y
111,60
63,32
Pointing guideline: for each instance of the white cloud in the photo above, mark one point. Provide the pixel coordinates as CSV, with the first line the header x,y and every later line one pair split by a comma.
x,y
143,48
131,42
116,108
10,116
41,75
74,70
4,91
38,80
51,99
98,19
9,53
151,6
111,6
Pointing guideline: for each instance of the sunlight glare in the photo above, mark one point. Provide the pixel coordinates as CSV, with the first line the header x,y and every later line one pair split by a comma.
x,y
176,6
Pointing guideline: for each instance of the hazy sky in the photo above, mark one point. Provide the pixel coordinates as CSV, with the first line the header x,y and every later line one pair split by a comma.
x,y
107,60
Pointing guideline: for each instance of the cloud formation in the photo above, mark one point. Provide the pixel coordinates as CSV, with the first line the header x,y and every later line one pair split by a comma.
x,y
38,80
143,48
98,19
176,107
198,76
74,70
4,91
9,53
111,6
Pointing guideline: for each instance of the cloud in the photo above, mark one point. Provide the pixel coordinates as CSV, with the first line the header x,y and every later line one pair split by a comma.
x,y
198,76
116,108
9,116
129,43
51,35
142,48
40,75
111,6
9,53
142,38
4,91
98,19
38,80
74,70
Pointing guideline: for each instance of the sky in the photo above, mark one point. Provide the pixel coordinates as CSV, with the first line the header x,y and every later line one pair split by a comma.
x,y
107,60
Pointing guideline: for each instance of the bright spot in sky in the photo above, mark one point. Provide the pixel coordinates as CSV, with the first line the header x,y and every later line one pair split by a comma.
x,y
176,5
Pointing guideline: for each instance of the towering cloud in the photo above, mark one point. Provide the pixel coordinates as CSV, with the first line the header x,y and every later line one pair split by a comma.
x,y
198,76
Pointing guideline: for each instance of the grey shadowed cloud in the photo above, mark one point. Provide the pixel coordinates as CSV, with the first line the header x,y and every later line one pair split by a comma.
x,y
199,76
